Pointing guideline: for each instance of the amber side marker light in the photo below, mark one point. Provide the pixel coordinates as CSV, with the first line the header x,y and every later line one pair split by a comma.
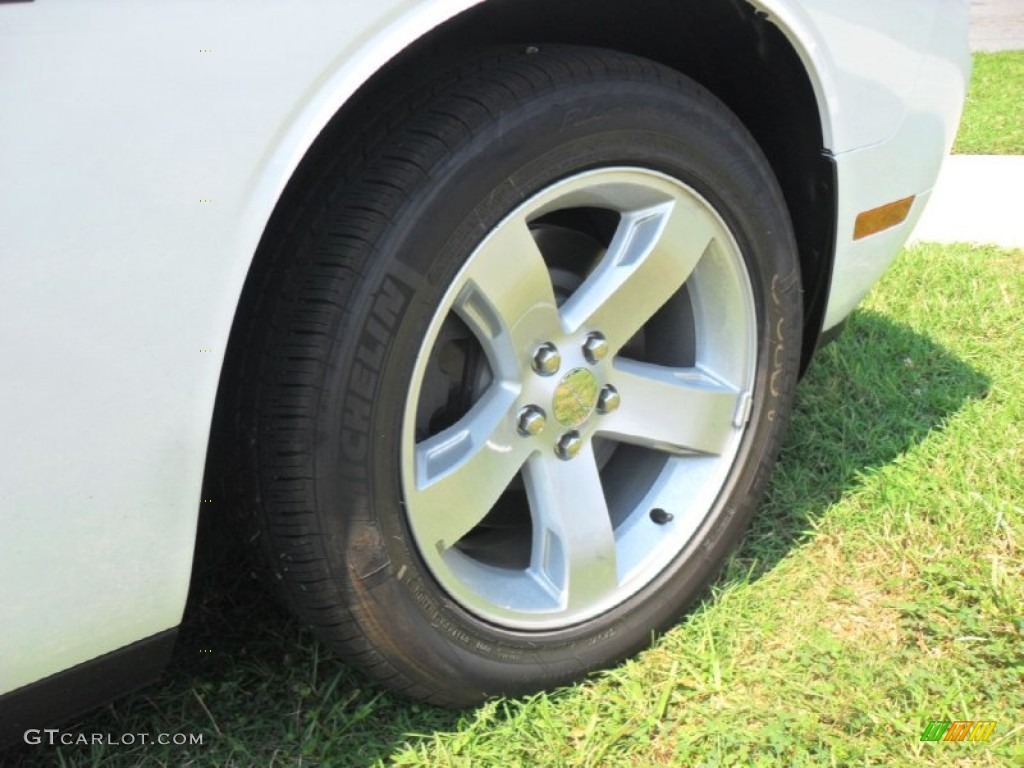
x,y
882,217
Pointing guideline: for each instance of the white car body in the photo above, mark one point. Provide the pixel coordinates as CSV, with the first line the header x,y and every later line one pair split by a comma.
x,y
143,147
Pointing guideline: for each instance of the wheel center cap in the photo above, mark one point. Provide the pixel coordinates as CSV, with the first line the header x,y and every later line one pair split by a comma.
x,y
575,397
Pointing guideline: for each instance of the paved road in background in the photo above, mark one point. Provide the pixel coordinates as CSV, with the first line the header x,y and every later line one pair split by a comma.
x,y
997,25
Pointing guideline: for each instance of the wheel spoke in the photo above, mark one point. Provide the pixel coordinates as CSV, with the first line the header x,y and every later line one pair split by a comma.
x,y
574,544
651,255
672,409
507,299
461,472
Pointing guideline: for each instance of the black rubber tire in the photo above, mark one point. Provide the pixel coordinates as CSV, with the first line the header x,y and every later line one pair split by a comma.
x,y
344,286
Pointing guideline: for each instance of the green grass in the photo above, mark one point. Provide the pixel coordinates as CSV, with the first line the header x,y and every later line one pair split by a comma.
x,y
879,588
993,122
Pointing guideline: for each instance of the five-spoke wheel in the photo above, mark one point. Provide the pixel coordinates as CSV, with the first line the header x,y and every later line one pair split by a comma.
x,y
575,377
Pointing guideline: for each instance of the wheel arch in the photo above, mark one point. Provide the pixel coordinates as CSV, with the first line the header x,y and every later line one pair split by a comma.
x,y
749,53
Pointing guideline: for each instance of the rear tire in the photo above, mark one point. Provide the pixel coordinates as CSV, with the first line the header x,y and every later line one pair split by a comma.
x,y
411,507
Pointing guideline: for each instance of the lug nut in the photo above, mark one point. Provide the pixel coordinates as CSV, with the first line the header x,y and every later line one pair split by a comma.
x,y
546,359
531,420
608,400
569,445
595,348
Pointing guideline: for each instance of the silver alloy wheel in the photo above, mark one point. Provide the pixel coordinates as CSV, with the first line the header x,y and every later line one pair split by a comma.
x,y
615,454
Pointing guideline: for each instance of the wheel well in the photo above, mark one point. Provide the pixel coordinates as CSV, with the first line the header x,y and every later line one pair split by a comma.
x,y
728,47
725,45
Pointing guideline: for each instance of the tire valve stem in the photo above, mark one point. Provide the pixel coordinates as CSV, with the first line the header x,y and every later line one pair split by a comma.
x,y
660,516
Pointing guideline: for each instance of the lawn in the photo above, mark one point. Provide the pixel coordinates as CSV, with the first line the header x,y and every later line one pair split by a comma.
x,y
993,122
880,588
